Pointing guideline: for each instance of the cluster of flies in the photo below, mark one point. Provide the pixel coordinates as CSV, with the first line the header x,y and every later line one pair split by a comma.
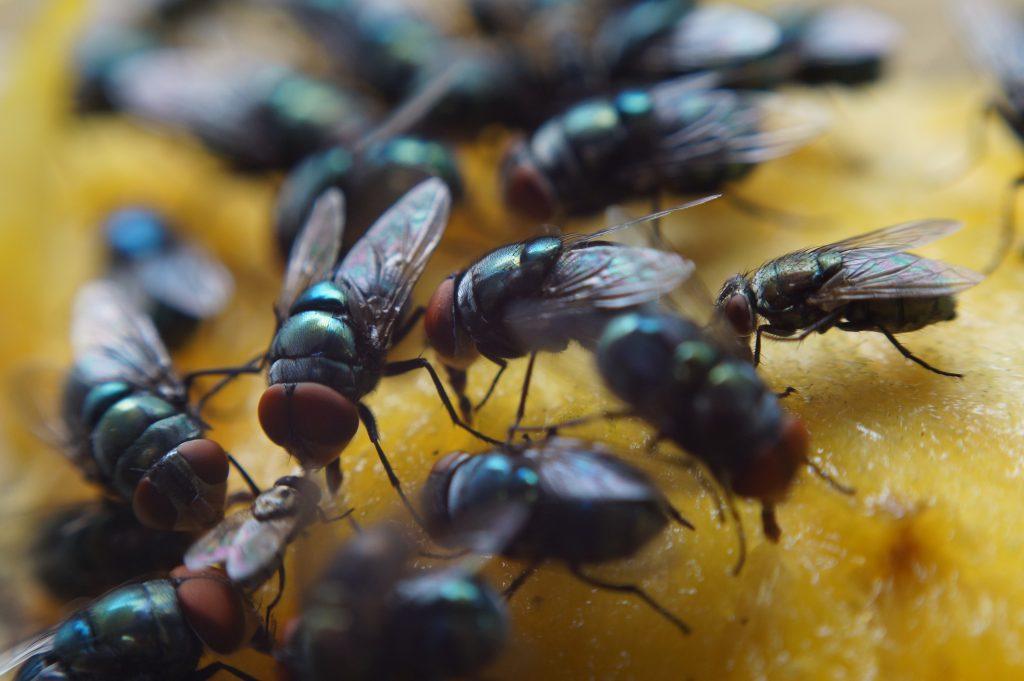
x,y
616,101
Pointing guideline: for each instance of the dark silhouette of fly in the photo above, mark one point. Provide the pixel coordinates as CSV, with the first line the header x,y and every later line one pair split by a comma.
x,y
373,615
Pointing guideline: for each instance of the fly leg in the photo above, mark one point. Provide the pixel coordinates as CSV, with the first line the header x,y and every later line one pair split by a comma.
x,y
520,579
334,476
581,421
370,422
1009,225
210,670
405,366
632,590
502,365
829,480
249,482
277,598
521,409
912,357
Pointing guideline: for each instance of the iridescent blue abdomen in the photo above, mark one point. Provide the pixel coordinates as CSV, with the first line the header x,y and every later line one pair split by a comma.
x,y
137,632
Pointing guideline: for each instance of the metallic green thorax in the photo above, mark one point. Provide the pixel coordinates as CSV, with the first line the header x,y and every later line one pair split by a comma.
x,y
319,343
137,631
505,274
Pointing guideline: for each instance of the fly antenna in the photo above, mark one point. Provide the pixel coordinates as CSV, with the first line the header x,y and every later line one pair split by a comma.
x,y
582,238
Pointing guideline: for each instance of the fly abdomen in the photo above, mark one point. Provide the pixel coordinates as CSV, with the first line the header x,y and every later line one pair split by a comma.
x,y
152,446
123,424
137,629
899,315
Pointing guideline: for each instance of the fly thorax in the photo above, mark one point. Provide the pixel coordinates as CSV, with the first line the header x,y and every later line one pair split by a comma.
x,y
484,483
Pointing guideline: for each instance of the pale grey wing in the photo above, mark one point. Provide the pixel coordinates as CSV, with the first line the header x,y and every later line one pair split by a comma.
x,y
849,31
713,36
36,394
996,37
113,340
187,279
732,127
571,469
599,277
385,264
315,251
899,237
870,275
19,654
210,94
257,549
217,545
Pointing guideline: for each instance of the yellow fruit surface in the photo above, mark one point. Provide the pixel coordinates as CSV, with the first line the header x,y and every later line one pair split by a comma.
x,y
919,575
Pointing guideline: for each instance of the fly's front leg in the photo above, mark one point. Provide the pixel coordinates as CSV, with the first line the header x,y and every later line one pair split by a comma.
x,y
404,367
370,423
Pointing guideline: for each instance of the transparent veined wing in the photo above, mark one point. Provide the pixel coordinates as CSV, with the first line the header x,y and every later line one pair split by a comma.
x,y
315,251
187,279
19,654
876,265
730,127
214,547
599,277
900,237
385,264
870,275
581,470
113,340
257,549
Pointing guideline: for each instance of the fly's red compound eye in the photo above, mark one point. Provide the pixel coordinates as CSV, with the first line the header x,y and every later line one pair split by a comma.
x,y
740,314
311,421
214,608
209,463
445,336
769,474
524,187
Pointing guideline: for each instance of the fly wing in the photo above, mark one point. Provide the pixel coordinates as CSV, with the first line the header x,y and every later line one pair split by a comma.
x,y
257,549
113,340
995,36
187,279
217,545
19,654
210,94
901,237
315,251
712,37
387,261
580,470
872,275
732,127
599,277
876,266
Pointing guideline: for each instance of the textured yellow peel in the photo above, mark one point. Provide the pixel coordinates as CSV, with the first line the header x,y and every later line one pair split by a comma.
x,y
917,576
